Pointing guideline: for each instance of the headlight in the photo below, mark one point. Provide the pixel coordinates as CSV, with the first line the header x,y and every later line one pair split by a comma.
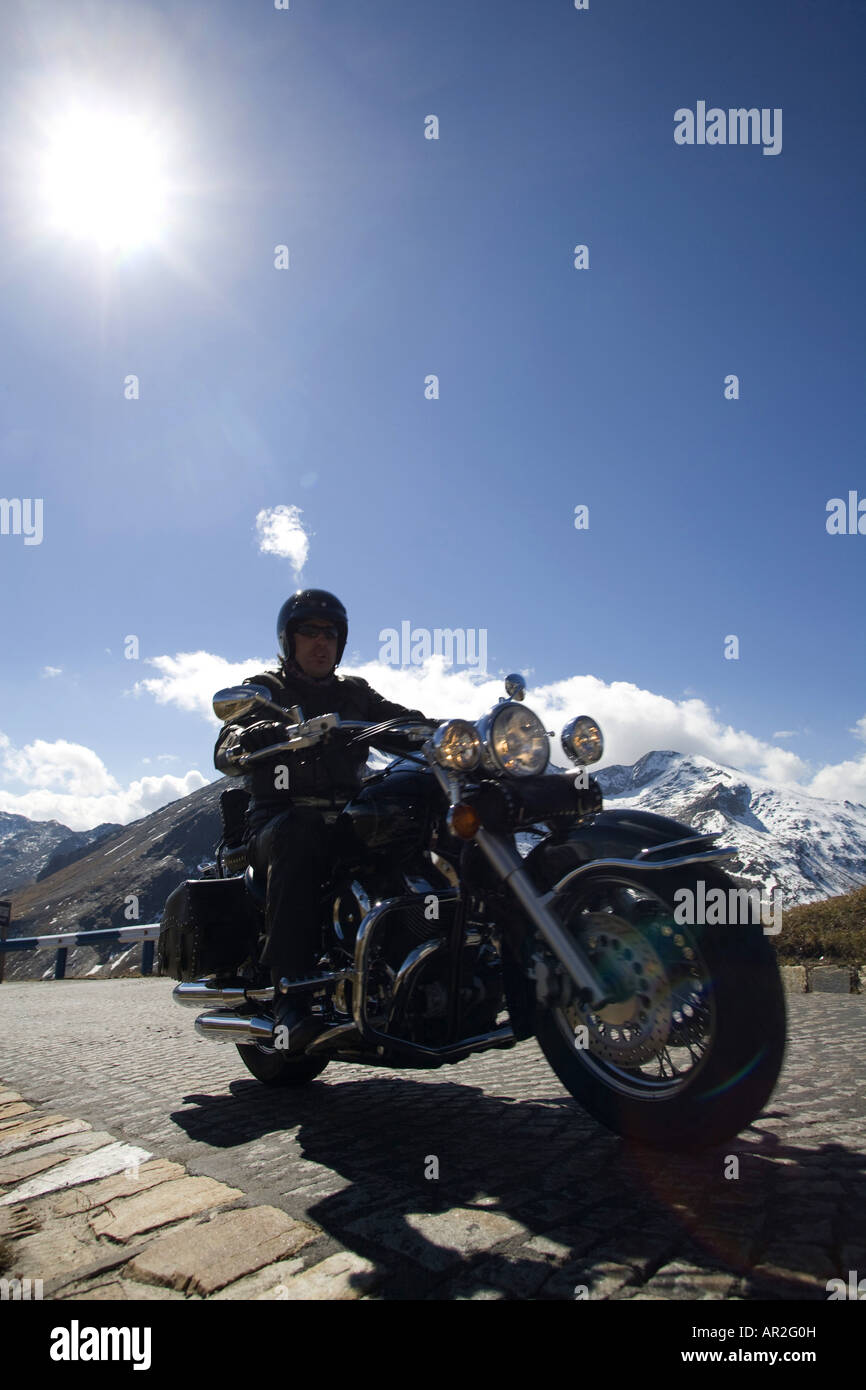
x,y
582,740
515,740
456,746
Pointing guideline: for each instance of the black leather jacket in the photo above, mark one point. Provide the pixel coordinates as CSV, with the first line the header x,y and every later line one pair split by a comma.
x,y
327,774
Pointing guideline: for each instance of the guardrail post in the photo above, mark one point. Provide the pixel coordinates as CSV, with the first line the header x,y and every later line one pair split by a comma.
x,y
60,963
147,957
5,919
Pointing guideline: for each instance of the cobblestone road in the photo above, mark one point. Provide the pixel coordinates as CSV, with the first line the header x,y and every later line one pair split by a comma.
x,y
533,1197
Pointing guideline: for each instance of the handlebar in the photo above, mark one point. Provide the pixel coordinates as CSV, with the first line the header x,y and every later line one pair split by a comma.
x,y
314,730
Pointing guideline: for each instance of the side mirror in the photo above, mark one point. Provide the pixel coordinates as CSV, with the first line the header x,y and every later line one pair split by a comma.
x,y
515,687
240,699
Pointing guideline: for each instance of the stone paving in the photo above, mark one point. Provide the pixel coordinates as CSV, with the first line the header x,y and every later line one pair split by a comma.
x,y
213,1186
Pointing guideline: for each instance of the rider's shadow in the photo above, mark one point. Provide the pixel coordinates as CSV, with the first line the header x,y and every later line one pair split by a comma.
x,y
433,1176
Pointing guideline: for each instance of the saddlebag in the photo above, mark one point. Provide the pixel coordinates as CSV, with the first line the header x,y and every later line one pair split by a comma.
x,y
208,928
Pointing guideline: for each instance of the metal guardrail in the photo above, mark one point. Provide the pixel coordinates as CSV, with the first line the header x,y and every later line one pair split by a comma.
x,y
147,935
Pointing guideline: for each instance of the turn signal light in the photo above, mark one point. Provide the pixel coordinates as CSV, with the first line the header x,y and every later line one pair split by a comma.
x,y
463,820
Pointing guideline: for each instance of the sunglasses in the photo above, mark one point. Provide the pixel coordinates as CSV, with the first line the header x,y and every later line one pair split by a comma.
x,y
311,630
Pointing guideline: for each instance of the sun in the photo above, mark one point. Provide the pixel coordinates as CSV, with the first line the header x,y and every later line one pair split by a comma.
x,y
102,179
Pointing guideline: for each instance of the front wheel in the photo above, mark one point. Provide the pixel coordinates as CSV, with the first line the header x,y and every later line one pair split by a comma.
x,y
275,1068
689,1052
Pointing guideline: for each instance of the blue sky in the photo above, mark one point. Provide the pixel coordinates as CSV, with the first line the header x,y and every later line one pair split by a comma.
x,y
304,388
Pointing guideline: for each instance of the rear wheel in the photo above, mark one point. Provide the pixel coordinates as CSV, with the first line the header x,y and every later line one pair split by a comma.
x,y
274,1068
689,1053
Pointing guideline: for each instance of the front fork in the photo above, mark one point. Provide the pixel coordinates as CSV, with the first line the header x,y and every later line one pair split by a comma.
x,y
588,989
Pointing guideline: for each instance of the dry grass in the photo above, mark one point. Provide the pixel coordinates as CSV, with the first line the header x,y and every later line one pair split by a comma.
x,y
834,929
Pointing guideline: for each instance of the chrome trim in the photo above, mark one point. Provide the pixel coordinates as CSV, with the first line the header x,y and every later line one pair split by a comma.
x,y
412,882
236,700
489,760
718,852
410,967
566,740
193,994
314,982
361,895
443,732
363,938
230,1028
500,1037
687,840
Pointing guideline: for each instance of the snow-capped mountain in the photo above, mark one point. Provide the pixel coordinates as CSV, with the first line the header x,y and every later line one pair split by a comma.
x,y
808,847
805,846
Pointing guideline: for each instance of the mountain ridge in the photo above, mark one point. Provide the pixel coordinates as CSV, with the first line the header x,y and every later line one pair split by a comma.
x,y
806,847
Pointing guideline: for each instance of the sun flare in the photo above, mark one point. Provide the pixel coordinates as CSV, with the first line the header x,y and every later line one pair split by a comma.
x,y
102,179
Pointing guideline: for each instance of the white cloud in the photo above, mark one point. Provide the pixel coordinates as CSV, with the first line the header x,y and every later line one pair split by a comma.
x,y
281,533
49,671
844,781
71,784
859,729
633,720
63,766
190,680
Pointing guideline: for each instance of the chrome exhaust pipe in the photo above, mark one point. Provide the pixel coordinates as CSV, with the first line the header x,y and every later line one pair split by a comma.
x,y
196,993
229,1027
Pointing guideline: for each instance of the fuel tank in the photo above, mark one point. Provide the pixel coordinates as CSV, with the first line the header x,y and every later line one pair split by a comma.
x,y
391,814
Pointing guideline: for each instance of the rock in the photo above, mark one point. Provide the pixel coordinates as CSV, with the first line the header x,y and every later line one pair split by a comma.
x,y
13,1108
17,1167
52,1252
267,1283
97,1194
112,1158
343,1276
205,1258
32,1132
794,978
830,979
126,1217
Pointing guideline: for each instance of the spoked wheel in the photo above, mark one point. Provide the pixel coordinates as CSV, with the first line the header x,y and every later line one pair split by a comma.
x,y
690,1049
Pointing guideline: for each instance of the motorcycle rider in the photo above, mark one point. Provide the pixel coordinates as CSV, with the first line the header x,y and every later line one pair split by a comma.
x,y
288,834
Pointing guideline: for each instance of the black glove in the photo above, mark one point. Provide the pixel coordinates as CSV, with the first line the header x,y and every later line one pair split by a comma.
x,y
260,735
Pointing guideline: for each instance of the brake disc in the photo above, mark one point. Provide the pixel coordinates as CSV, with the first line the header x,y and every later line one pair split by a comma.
x,y
633,1029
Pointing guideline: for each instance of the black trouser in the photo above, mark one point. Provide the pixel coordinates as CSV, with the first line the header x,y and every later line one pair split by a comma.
x,y
293,849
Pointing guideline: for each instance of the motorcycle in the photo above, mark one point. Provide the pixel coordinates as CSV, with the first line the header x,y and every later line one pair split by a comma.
x,y
441,940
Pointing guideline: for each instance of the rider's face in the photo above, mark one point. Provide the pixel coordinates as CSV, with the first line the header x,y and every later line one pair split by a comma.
x,y
317,655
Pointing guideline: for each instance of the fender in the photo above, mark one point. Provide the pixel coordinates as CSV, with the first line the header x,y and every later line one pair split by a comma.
x,y
642,837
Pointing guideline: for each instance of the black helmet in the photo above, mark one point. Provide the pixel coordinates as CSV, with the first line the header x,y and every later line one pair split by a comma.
x,y
310,603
